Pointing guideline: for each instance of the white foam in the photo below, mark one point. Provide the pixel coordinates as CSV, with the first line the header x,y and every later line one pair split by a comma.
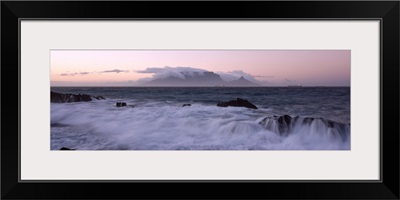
x,y
166,126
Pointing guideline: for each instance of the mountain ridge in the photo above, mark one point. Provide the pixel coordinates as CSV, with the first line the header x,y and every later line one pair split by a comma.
x,y
205,79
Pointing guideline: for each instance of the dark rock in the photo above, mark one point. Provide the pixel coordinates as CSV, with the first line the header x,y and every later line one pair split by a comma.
x,y
68,98
120,104
308,120
58,125
285,119
238,103
65,148
282,124
187,104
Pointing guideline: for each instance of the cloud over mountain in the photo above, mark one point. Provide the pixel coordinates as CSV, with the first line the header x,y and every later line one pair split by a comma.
x,y
166,72
188,76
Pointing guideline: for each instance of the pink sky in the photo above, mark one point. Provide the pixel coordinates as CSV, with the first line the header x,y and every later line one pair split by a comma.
x,y
274,68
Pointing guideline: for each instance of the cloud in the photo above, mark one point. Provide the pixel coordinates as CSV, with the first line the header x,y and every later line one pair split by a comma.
x,y
114,71
180,72
73,74
165,72
152,70
68,74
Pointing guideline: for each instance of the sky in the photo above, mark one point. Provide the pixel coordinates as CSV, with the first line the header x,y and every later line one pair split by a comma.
x,y
267,67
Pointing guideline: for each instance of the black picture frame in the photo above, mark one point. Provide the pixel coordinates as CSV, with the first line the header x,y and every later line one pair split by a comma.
x,y
386,11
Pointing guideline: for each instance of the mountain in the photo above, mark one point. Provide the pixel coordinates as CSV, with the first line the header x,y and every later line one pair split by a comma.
x,y
198,79
242,82
194,79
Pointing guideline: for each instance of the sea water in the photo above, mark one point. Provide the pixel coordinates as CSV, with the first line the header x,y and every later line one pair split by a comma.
x,y
155,119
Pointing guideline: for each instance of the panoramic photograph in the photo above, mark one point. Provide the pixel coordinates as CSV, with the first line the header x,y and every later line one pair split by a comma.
x,y
200,100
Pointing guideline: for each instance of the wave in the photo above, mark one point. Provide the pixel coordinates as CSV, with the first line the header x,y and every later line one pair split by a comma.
x,y
285,125
100,125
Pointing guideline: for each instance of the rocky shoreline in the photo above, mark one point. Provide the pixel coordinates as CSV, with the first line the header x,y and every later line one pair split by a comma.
x,y
69,98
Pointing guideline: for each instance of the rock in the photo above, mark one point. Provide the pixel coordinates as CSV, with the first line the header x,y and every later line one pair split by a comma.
x,y
120,104
285,124
187,104
281,125
238,103
68,98
308,120
65,148
285,119
58,125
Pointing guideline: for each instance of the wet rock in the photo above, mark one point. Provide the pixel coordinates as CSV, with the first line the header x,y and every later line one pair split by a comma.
x,y
237,103
285,124
68,98
187,104
308,120
58,125
120,104
281,125
65,148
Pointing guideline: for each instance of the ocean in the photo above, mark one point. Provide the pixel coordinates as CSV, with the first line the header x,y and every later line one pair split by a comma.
x,y
155,119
